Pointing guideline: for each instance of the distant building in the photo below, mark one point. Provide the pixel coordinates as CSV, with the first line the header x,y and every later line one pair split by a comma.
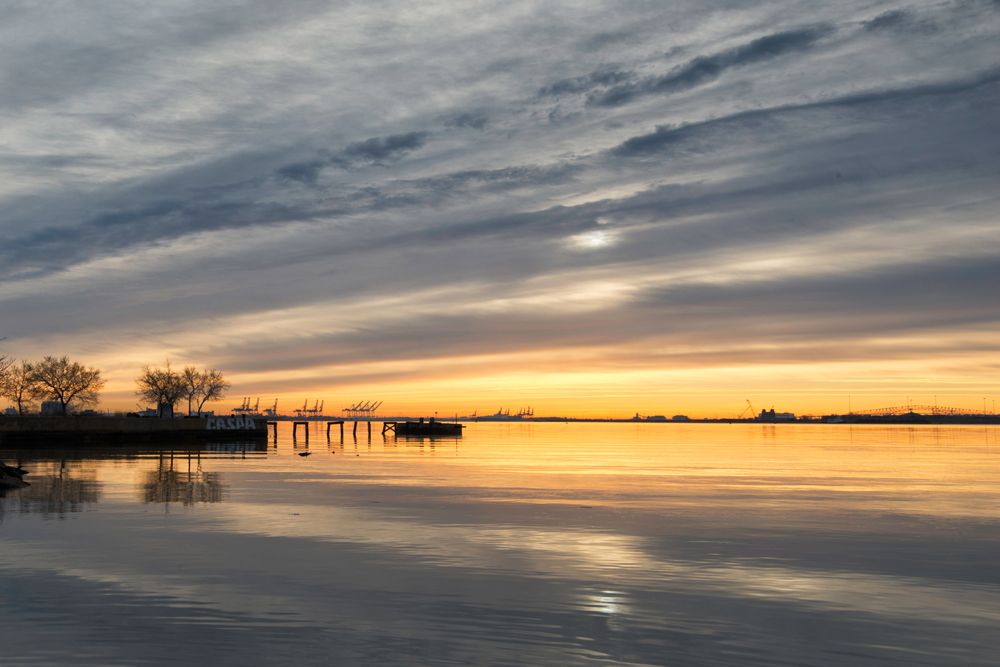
x,y
681,418
772,416
656,418
53,409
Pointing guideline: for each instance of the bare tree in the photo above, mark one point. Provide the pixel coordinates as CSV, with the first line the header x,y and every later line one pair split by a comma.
x,y
193,383
5,365
162,386
5,371
213,387
20,387
63,381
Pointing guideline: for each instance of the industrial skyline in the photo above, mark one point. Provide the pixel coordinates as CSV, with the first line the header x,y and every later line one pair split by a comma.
x,y
591,208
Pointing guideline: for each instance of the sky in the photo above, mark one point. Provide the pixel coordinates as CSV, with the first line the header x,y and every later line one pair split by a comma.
x,y
589,208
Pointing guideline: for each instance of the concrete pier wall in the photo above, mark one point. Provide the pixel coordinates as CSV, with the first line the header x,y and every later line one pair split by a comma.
x,y
24,430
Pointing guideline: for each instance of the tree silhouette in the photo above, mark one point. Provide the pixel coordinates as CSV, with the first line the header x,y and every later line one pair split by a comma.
x,y
19,386
161,386
63,381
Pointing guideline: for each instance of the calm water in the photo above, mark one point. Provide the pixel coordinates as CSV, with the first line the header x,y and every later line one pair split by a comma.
x,y
520,544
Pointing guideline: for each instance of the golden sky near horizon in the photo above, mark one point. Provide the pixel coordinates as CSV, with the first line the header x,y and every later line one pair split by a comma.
x,y
484,385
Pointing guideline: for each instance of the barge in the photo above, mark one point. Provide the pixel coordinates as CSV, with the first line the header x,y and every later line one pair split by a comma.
x,y
424,428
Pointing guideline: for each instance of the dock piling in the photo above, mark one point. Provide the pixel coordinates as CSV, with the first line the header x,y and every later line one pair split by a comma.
x,y
295,430
329,424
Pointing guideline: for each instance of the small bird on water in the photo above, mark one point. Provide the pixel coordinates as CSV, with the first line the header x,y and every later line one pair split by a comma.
x,y
304,453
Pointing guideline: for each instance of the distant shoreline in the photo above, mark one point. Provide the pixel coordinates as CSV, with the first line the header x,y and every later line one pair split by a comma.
x,y
846,419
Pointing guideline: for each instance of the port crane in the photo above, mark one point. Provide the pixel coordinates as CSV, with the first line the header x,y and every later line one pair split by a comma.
x,y
245,407
366,408
919,409
753,413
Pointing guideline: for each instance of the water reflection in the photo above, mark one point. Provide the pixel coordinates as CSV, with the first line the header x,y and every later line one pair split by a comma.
x,y
236,447
528,544
57,489
187,483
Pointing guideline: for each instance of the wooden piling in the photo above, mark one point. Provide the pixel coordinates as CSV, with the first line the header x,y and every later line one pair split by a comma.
x,y
329,424
295,430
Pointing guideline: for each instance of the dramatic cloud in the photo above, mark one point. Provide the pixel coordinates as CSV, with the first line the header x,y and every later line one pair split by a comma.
x,y
467,199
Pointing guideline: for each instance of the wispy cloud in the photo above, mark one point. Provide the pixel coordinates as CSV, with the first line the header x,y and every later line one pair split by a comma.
x,y
704,69
374,151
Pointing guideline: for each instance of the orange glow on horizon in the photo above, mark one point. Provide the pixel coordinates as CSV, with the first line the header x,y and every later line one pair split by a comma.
x,y
816,389
649,378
